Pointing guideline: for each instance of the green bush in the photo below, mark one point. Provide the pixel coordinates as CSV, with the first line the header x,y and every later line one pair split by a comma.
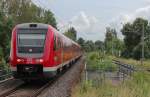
x,y
4,66
93,56
96,62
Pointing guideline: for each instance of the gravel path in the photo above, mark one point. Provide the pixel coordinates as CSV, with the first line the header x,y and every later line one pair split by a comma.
x,y
63,86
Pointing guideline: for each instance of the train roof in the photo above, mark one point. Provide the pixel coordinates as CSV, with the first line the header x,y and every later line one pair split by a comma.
x,y
32,25
68,40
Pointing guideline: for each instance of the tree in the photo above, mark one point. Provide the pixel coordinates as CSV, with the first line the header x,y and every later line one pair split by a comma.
x,y
132,38
5,33
99,45
13,12
71,33
23,11
81,42
109,37
49,18
118,46
89,46
113,45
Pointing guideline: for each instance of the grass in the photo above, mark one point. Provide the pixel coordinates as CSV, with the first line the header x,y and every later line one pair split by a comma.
x,y
97,61
138,86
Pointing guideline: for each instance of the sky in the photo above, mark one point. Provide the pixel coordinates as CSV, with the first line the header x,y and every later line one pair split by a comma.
x,y
91,17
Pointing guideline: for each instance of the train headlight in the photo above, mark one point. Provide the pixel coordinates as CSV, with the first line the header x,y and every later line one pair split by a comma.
x,y
39,60
20,60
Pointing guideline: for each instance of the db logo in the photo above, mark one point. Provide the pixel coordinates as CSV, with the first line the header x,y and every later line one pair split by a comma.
x,y
29,61
30,50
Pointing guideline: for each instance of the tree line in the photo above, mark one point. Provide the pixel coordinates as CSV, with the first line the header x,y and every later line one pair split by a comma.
x,y
111,44
129,47
133,34
87,45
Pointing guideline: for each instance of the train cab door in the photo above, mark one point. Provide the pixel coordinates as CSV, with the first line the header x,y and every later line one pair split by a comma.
x,y
62,53
57,50
60,49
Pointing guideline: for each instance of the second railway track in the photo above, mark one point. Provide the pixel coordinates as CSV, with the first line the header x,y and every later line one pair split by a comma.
x,y
32,89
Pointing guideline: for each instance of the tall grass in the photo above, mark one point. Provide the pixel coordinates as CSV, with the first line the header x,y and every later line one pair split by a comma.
x,y
138,86
96,61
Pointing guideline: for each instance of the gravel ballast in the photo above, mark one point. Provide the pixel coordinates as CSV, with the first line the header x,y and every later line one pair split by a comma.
x,y
64,85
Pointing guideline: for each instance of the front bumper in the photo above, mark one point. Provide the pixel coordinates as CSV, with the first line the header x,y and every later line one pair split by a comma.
x,y
44,75
36,71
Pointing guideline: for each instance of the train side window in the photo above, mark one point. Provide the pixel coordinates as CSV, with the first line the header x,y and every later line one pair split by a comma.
x,y
55,43
59,43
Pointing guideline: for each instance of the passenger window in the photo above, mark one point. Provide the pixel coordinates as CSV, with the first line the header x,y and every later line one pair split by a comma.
x,y
55,43
59,43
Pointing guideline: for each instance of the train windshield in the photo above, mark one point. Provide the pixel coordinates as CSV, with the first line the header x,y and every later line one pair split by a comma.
x,y
31,41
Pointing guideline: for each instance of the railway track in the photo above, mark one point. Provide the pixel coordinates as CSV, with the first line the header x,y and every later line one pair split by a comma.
x,y
125,69
5,77
32,89
5,80
64,85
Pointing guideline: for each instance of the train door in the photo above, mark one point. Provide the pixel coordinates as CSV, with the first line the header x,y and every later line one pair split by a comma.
x,y
59,53
62,51
57,50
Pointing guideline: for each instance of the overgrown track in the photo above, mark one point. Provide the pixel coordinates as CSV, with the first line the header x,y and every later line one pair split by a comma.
x,y
8,79
126,69
32,89
4,77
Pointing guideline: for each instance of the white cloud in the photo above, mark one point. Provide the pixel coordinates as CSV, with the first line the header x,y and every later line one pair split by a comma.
x,y
130,17
147,0
140,12
88,27
143,12
81,22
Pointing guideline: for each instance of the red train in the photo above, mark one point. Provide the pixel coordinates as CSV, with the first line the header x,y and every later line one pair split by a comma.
x,y
40,51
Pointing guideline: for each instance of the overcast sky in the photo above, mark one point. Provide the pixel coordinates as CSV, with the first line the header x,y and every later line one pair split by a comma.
x,y
91,17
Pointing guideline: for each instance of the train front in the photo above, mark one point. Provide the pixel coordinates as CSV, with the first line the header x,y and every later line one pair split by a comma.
x,y
27,50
